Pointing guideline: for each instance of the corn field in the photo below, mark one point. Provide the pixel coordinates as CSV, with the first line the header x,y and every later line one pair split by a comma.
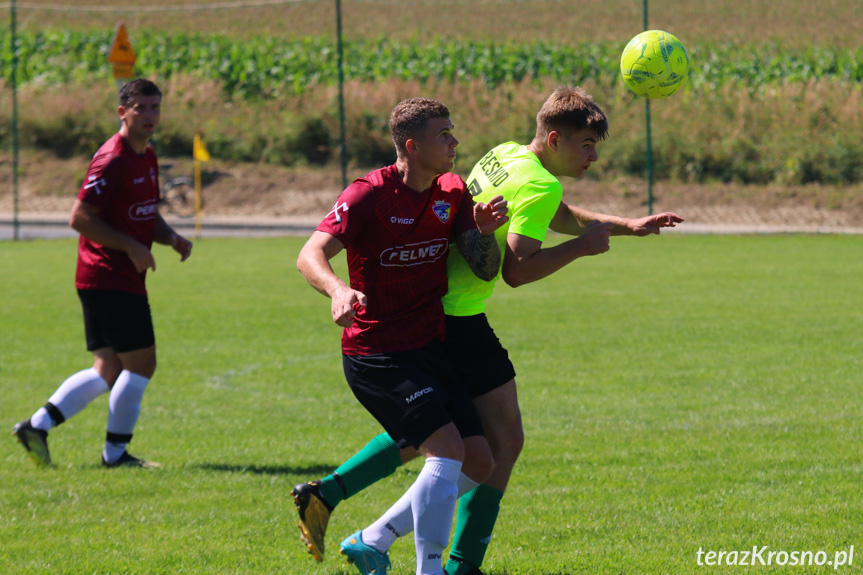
x,y
270,67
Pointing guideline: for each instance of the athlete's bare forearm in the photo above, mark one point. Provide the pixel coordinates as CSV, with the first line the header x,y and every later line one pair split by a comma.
x,y
481,253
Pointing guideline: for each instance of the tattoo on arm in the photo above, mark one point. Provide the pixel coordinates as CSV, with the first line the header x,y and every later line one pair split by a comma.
x,y
481,253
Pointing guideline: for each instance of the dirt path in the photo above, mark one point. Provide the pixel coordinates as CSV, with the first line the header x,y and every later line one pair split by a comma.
x,y
49,185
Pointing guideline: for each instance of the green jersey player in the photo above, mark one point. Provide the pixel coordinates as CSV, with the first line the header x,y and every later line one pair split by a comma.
x,y
569,127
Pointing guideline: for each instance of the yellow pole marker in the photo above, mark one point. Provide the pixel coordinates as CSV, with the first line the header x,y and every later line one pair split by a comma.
x,y
200,153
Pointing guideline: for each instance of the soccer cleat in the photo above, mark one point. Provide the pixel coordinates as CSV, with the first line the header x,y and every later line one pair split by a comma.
x,y
367,559
314,516
127,460
35,441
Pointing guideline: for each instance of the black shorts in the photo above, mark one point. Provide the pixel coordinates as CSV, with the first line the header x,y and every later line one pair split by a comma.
x,y
413,393
481,361
116,319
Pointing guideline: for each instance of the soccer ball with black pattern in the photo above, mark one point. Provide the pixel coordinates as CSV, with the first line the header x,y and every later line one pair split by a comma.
x,y
654,64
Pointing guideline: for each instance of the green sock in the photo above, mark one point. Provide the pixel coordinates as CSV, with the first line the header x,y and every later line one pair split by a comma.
x,y
378,459
477,514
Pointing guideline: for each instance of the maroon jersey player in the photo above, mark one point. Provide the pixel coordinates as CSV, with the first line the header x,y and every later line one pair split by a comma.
x,y
397,225
117,215
397,242
123,186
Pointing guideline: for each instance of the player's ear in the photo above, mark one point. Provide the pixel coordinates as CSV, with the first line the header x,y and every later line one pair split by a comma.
x,y
553,139
411,146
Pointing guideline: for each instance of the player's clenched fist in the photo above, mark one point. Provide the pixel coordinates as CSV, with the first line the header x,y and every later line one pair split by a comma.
x,y
490,216
595,237
346,302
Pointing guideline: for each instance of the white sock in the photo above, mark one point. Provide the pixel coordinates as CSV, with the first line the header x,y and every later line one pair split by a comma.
x,y
435,493
71,397
465,484
398,521
124,407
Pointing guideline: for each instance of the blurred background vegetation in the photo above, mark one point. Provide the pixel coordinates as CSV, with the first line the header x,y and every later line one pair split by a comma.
x,y
773,97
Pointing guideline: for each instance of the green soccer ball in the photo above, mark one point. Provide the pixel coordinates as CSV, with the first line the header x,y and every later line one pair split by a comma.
x,y
654,64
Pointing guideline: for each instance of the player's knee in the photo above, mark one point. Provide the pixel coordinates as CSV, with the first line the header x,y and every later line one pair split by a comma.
x,y
108,366
478,460
515,441
479,469
150,368
144,369
507,443
445,442
408,454
141,362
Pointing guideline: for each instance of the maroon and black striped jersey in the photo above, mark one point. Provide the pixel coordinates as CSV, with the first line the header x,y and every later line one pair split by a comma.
x,y
397,241
125,187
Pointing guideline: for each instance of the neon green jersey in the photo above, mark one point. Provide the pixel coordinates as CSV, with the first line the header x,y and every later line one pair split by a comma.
x,y
533,196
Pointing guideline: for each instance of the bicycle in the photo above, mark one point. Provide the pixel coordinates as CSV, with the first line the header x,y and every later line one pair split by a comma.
x,y
178,194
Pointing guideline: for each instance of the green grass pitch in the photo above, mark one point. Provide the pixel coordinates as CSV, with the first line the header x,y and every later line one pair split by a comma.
x,y
679,393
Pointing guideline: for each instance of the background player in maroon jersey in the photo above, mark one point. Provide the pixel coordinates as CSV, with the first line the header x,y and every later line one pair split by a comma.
x,y
396,225
117,215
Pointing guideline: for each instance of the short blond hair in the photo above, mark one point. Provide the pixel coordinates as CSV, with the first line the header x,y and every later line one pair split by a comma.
x,y
569,110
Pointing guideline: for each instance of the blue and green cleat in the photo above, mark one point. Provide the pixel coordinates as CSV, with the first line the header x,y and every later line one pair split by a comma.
x,y
367,559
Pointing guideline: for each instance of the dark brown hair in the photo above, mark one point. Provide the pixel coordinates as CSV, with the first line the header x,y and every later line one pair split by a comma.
x,y
410,116
135,88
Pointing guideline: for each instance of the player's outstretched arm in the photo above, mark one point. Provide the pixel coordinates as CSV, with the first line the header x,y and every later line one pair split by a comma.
x,y
478,245
314,263
652,224
573,220
526,261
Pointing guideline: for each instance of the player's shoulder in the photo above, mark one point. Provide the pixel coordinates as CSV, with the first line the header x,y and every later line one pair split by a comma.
x,y
380,177
362,188
114,149
451,183
525,168
509,148
108,158
362,195
115,145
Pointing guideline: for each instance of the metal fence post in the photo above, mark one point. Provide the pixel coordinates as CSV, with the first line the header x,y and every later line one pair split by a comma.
x,y
649,158
342,139
14,48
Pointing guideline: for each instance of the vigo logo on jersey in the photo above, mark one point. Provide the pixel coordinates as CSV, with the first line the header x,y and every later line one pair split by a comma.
x,y
415,254
143,211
